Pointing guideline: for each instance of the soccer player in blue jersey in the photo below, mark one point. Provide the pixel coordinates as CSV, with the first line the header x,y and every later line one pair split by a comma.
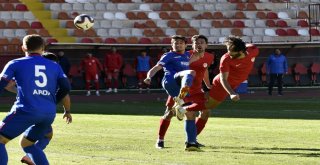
x,y
177,77
40,85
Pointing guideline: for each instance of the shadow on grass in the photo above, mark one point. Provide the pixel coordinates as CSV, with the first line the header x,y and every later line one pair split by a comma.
x,y
301,152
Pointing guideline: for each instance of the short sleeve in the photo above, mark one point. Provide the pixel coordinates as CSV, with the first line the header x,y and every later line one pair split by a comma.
x,y
224,64
165,58
252,50
8,71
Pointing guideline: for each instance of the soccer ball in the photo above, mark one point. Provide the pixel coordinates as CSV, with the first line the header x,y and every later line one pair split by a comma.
x,y
83,21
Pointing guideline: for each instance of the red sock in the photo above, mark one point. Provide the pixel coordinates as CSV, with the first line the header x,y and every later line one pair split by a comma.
x,y
87,86
200,123
164,125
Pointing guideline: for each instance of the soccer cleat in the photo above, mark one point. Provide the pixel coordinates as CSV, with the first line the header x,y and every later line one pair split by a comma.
x,y
27,160
97,93
178,101
183,92
109,90
88,93
115,90
192,147
180,111
199,144
160,144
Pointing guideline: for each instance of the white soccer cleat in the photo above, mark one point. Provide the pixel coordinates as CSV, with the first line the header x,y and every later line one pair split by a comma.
x,y
88,93
115,90
109,90
97,93
178,101
180,111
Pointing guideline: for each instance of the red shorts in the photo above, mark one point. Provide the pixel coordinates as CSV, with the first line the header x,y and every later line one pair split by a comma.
x,y
195,98
142,75
111,74
92,76
217,91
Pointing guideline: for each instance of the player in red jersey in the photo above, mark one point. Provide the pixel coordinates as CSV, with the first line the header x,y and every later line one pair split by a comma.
x,y
112,64
91,66
235,67
199,62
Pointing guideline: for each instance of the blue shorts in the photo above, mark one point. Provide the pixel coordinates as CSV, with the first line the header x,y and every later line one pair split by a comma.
x,y
171,84
35,125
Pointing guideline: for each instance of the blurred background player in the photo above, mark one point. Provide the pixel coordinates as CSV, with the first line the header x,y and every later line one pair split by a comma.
x,y
142,65
44,141
277,66
63,62
41,83
91,67
199,62
178,77
112,65
235,67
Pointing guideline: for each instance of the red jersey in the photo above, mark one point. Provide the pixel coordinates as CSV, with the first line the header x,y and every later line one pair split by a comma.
x,y
113,61
199,66
91,65
238,69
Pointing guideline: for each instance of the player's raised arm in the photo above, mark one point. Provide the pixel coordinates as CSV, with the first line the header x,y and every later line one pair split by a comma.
x,y
224,82
152,72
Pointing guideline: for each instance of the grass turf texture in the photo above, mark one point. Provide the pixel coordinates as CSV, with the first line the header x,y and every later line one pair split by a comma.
x,y
267,132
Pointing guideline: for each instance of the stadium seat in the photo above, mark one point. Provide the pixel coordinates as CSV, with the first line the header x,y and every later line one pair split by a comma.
x,y
144,7
51,40
283,15
8,7
270,23
148,33
302,15
12,25
174,15
166,40
158,32
110,40
144,40
187,7
216,24
247,32
183,24
2,24
79,33
63,15
44,33
292,32
21,7
153,15
100,7
10,33
241,6
136,32
17,15
303,23
32,31
170,32
281,32
142,15
172,24
251,7
28,16
298,70
303,32
156,40
236,32
270,32
120,16
227,23
204,23
282,23
314,32
218,15
272,15
150,24
89,7
86,40
263,73
207,15
238,24
77,7
133,40
165,7
36,25
65,7
239,15
192,31
261,15
131,15
315,70
164,15
108,15
176,7
122,40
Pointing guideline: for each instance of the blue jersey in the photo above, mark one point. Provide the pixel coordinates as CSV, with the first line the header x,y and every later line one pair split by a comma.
x,y
277,64
37,83
173,62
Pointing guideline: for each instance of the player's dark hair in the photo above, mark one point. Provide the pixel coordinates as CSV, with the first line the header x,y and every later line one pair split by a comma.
x,y
178,37
50,56
33,42
235,44
196,37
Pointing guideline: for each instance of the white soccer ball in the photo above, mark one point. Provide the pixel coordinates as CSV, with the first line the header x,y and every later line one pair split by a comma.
x,y
83,21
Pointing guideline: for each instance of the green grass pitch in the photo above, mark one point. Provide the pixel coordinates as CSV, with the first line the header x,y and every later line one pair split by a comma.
x,y
251,132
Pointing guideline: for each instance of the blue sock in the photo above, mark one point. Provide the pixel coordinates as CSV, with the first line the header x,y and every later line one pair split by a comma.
x,y
42,143
187,80
191,131
3,155
36,155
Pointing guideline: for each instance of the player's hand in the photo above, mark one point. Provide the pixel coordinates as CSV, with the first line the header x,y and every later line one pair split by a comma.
x,y
235,97
147,80
68,117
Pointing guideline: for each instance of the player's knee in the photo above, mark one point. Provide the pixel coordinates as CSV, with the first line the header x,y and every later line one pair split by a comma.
x,y
24,142
49,135
4,140
190,115
168,114
204,114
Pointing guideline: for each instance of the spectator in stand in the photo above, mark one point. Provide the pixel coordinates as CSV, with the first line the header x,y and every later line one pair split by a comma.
x,y
159,74
112,64
91,66
142,65
276,66
64,63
